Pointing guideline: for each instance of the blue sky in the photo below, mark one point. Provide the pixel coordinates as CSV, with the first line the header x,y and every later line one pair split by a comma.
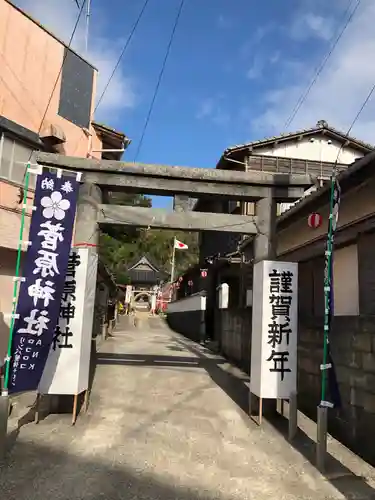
x,y
235,71
216,75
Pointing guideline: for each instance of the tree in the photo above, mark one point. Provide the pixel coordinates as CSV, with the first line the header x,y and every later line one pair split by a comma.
x,y
118,231
121,245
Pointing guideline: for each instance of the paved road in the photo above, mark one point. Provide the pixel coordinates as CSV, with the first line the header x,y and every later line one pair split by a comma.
x,y
160,426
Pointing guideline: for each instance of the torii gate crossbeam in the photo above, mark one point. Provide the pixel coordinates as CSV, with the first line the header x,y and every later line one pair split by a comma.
x,y
170,180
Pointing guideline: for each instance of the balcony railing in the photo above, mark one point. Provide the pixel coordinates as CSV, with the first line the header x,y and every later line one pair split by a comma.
x,y
278,164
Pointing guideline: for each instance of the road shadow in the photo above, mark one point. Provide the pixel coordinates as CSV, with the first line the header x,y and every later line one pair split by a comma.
x,y
344,480
26,418
40,471
234,382
235,385
40,410
106,358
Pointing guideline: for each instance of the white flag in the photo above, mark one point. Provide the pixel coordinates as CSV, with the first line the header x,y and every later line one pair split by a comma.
x,y
179,245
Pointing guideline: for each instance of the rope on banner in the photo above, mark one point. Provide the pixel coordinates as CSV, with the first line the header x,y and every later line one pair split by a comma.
x,y
17,279
37,169
84,244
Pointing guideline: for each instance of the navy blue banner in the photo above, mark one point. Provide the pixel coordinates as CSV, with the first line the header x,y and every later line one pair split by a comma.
x,y
44,270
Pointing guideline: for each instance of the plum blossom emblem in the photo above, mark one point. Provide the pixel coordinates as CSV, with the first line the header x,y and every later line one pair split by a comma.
x,y
54,206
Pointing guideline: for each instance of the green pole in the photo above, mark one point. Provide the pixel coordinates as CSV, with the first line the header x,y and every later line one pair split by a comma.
x,y
327,290
17,275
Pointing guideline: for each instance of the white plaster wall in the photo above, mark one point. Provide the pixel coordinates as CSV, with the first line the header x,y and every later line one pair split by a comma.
x,y
345,281
194,302
312,148
223,296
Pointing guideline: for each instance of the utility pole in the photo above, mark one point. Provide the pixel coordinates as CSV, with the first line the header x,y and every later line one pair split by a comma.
x,y
88,13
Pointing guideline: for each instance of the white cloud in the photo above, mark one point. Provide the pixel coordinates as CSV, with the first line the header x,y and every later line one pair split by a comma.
x,y
275,57
256,69
339,91
224,22
260,63
312,25
205,109
257,36
211,109
60,16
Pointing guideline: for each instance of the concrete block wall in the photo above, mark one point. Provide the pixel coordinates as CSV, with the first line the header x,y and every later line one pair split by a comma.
x,y
186,316
353,348
234,335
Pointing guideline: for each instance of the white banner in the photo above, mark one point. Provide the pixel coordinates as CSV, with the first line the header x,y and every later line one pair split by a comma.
x,y
274,330
128,294
153,302
223,296
68,364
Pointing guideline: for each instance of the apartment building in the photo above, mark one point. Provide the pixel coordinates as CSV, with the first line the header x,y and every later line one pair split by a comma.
x,y
47,94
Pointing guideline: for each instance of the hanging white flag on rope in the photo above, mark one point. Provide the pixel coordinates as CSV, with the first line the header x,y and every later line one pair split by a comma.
x,y
179,245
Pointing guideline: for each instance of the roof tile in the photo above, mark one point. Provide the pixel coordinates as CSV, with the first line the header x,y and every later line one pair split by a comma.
x,y
311,130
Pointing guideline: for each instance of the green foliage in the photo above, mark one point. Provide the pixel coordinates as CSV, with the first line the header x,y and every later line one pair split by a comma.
x,y
121,246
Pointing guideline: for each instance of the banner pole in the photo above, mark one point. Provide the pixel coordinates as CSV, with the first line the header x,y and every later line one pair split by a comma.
x,y
327,290
15,287
173,259
322,414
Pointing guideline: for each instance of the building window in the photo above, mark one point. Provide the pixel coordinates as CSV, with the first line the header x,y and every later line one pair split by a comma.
x,y
14,155
76,91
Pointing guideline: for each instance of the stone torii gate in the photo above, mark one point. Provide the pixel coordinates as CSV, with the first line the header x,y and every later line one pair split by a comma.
x,y
99,177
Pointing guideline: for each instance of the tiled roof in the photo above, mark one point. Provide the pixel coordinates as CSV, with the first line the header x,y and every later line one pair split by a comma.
x,y
145,261
344,176
106,128
330,131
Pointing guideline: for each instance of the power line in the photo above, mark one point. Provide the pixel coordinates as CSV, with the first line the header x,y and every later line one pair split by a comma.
x,y
361,109
60,71
122,52
364,104
54,88
159,78
118,61
320,68
62,65
15,97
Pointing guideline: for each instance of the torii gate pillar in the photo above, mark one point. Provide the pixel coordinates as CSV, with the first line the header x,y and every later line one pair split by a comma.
x,y
86,235
265,248
86,228
265,241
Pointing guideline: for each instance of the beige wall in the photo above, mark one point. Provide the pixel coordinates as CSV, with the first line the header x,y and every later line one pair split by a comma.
x,y
7,271
10,217
355,205
345,281
30,61
316,148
